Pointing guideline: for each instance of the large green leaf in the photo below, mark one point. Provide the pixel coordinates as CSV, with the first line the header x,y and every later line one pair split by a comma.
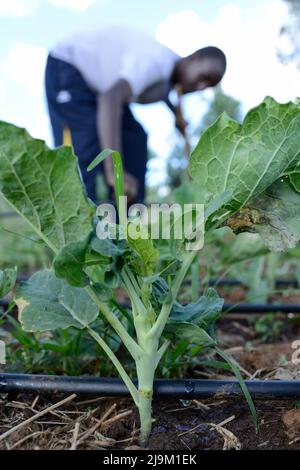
x,y
189,332
44,186
191,193
69,263
47,303
8,279
203,312
294,180
108,247
248,158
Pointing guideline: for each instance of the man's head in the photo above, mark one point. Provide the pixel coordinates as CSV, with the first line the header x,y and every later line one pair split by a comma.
x,y
202,69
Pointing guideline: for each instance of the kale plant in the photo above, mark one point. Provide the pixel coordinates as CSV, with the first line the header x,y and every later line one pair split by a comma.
x,y
249,179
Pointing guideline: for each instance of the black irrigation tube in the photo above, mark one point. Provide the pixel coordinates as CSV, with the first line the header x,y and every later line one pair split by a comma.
x,y
235,282
163,388
262,308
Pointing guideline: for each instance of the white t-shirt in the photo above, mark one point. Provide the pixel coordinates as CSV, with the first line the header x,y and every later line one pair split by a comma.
x,y
104,56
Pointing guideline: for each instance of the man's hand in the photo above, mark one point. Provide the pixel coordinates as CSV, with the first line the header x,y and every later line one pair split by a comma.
x,y
131,184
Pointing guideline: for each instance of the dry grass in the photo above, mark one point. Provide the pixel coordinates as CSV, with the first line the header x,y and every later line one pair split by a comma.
x,y
66,424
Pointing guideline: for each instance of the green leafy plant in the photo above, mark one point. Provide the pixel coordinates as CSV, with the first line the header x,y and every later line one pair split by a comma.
x,y
238,167
8,279
60,352
268,327
19,245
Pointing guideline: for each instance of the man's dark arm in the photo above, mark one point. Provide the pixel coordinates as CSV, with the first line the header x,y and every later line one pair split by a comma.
x,y
109,119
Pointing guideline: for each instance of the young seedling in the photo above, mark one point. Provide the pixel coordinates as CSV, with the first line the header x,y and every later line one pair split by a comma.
x,y
249,179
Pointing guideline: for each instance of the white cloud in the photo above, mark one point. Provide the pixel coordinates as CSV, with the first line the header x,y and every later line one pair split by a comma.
x,y
249,37
183,31
77,5
24,66
22,88
18,8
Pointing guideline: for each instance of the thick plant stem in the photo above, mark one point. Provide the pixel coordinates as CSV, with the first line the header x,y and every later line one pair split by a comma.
x,y
145,367
145,413
147,363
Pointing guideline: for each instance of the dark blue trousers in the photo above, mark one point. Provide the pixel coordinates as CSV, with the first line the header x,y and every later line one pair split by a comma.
x,y
72,104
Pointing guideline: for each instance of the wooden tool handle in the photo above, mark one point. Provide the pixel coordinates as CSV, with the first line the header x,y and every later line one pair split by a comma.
x,y
178,89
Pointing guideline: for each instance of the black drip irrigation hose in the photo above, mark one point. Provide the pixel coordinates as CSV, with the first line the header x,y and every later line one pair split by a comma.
x,y
235,282
163,388
262,308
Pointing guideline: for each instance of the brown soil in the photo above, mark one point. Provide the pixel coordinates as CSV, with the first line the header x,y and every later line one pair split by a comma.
x,y
176,427
291,421
211,424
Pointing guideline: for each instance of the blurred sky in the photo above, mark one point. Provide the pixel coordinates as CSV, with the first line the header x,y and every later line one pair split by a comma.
x,y
248,32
